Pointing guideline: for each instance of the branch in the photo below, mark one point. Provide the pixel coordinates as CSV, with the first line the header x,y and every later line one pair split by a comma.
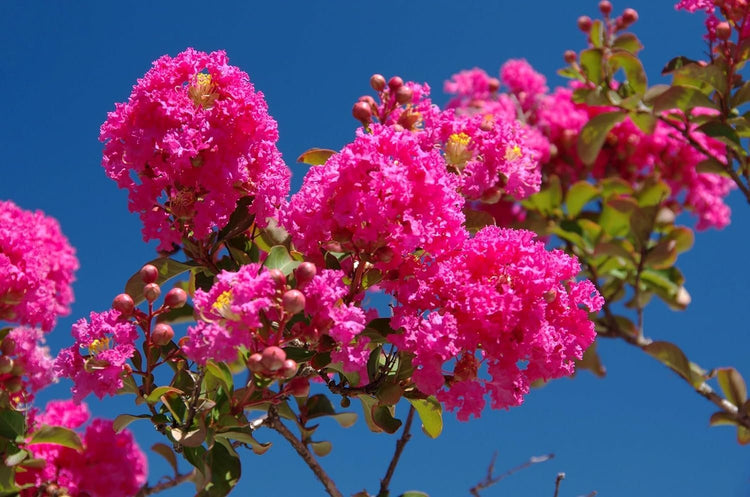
x,y
274,422
400,444
560,478
160,487
490,480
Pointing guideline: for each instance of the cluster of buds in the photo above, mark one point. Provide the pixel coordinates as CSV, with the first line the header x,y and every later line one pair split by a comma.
x,y
392,94
272,363
11,370
629,16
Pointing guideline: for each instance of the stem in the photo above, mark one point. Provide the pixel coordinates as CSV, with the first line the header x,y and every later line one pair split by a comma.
x,y
560,478
194,404
274,422
400,444
160,487
490,480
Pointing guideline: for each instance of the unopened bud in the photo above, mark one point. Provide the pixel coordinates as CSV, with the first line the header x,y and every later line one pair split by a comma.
x,y
404,95
288,368
6,365
362,112
584,24
124,303
162,334
273,358
7,346
383,254
254,363
304,273
570,56
299,387
175,298
149,273
723,31
366,99
395,83
151,292
605,6
629,16
277,276
293,301
345,402
14,385
493,84
377,81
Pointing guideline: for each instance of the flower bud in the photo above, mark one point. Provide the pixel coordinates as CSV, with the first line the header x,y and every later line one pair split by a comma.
x,y
124,303
389,394
14,385
345,402
277,276
151,292
367,99
584,24
383,254
293,301
6,365
288,369
304,273
7,346
254,363
629,16
395,83
377,81
723,31
175,298
362,112
299,387
494,84
149,273
570,56
162,334
605,6
404,95
272,358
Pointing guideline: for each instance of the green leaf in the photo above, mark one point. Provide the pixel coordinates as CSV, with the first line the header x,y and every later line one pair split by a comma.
x,y
239,221
711,166
645,121
156,393
315,156
279,258
592,362
683,238
629,42
548,199
591,63
743,435
16,458
716,129
594,133
579,194
167,453
431,414
596,34
414,493
704,78
732,385
671,356
180,315
56,435
123,420
616,213
222,373
677,63
382,416
168,269
476,219
653,192
633,69
223,465
12,424
246,437
741,96
721,418
321,449
682,98
368,405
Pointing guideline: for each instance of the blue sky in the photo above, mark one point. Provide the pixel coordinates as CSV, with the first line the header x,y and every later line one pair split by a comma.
x,y
640,431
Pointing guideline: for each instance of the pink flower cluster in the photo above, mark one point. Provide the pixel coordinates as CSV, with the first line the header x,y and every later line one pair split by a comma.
x,y
194,138
110,465
737,12
503,302
31,363
37,265
110,342
382,197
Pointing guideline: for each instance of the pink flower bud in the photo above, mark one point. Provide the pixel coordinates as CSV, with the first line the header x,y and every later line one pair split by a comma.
x,y
494,84
124,303
293,301
162,334
288,369
149,273
629,16
395,83
7,346
277,276
362,112
273,358
304,273
6,365
605,6
298,387
254,363
175,298
151,292
584,24
404,94
723,31
14,385
570,56
367,99
377,81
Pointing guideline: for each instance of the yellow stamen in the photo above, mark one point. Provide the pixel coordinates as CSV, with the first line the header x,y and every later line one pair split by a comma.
x,y
203,91
223,304
513,153
99,345
457,151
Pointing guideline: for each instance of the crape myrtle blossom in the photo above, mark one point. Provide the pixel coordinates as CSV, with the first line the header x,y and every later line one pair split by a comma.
x,y
98,359
193,139
110,465
26,364
503,302
36,268
736,13
381,197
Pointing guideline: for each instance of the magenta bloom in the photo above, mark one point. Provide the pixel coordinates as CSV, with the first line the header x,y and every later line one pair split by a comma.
x,y
30,354
380,194
193,139
503,302
36,268
109,342
111,464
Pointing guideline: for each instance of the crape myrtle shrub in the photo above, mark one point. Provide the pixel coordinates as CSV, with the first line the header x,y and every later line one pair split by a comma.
x,y
510,229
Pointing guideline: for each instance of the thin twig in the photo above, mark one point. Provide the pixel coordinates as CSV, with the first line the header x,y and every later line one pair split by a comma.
x,y
490,480
194,404
274,422
165,485
560,478
400,444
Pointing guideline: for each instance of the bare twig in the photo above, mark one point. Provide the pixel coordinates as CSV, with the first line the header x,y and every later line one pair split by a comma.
x,y
560,478
165,485
274,422
400,444
490,480
194,404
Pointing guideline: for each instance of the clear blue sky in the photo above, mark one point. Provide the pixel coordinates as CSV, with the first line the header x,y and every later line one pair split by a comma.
x,y
640,431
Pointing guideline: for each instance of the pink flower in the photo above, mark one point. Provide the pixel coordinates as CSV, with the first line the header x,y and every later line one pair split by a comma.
x,y
382,197
110,342
110,465
36,268
194,138
524,82
31,357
